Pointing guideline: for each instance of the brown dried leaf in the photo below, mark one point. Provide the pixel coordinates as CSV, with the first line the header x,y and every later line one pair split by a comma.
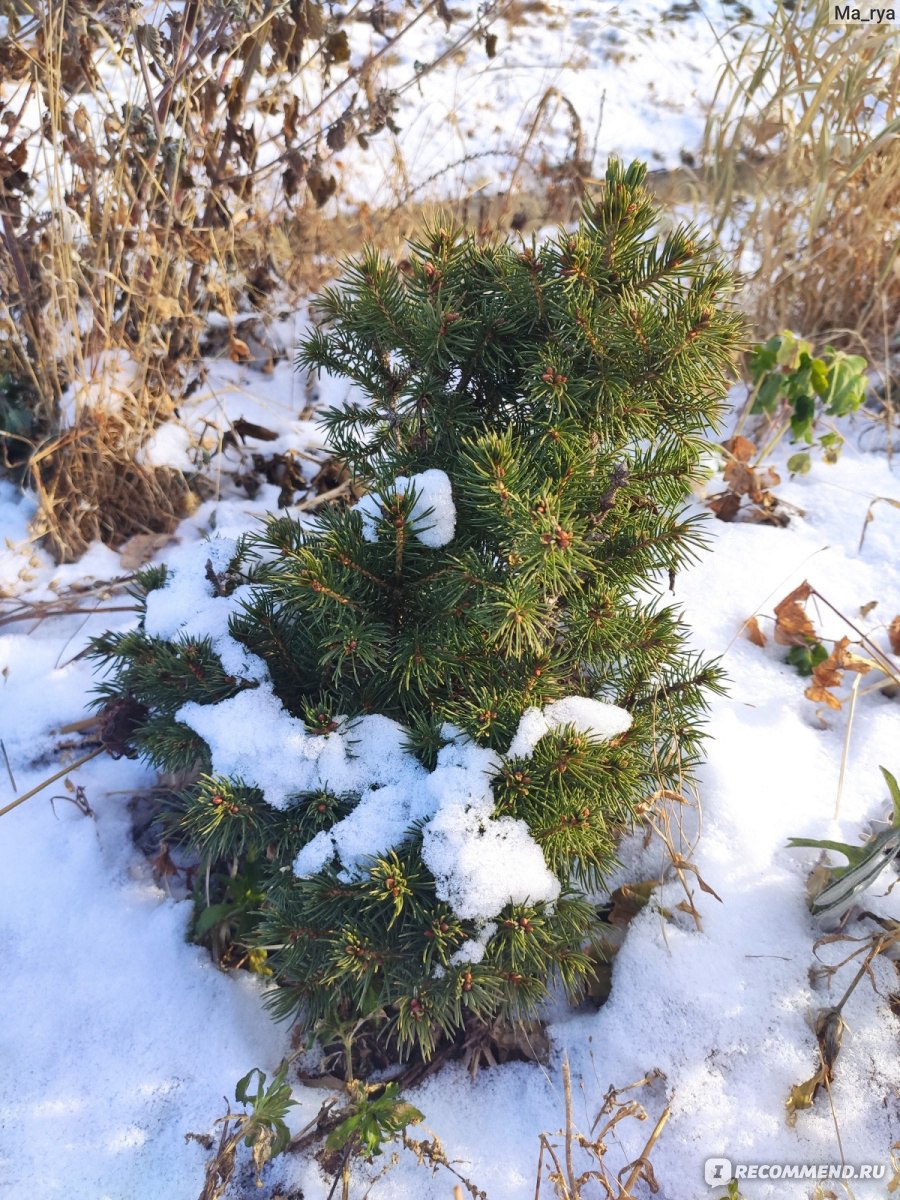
x,y
820,695
245,429
337,47
829,673
238,350
629,899
740,478
802,1095
141,548
321,185
168,308
682,864
725,506
894,634
740,448
846,660
753,632
792,626
766,478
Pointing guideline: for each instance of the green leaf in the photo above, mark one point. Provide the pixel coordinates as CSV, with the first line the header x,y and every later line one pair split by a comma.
x,y
847,384
819,377
802,419
770,393
240,1091
861,874
853,854
340,1136
799,464
214,915
894,789
805,658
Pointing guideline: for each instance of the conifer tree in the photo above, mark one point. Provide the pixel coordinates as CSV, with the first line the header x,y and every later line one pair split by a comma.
x,y
431,716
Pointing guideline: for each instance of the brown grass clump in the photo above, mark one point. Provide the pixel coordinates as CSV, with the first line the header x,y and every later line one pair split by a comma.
x,y
91,487
813,110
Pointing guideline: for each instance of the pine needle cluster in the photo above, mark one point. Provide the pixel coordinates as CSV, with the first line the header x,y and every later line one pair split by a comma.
x,y
566,390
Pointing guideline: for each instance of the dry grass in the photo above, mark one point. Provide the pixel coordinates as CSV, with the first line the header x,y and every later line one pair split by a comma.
x,y
150,177
814,110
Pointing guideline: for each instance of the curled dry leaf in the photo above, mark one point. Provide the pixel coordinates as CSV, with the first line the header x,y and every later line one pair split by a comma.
x,y
894,634
829,673
792,626
238,350
753,632
829,1034
741,449
725,505
141,548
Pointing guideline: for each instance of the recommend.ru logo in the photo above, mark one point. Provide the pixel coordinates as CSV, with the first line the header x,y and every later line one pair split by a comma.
x,y
719,1171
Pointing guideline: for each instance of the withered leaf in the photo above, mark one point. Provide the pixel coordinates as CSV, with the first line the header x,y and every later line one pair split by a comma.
x,y
238,350
846,660
725,506
821,695
245,429
894,634
141,548
802,1095
740,478
629,899
753,632
321,185
829,673
18,154
792,626
682,864
740,448
337,47
168,308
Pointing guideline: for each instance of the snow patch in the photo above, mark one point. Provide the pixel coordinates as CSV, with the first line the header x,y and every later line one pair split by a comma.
x,y
601,720
434,506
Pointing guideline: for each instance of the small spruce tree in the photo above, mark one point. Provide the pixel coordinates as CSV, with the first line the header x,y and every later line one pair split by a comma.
x,y
431,715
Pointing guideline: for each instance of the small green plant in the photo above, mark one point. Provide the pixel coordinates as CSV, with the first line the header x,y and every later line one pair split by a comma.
x,y
864,863
224,924
263,1129
372,1121
788,379
805,659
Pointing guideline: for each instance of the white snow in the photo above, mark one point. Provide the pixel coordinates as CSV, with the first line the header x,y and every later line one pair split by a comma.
x,y
189,605
603,721
97,961
433,513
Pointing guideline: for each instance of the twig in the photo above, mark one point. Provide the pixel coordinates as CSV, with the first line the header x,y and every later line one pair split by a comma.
x,y
845,753
332,494
639,1165
65,612
567,1092
53,778
12,778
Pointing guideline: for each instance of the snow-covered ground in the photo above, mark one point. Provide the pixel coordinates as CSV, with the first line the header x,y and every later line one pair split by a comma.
x,y
119,1038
